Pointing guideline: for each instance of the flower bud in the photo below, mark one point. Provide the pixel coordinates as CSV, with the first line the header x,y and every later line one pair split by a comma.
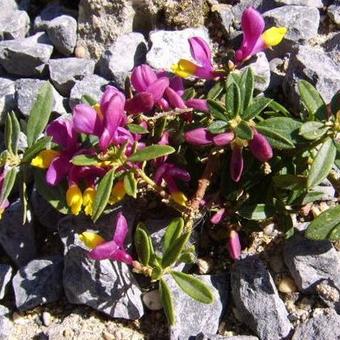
x,y
260,147
200,136
197,104
236,164
223,138
142,102
234,246
218,216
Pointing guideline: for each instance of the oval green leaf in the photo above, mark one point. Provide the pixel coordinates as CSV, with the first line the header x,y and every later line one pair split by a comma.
x,y
233,100
32,151
313,130
172,233
130,184
167,303
151,152
84,160
243,131
171,255
217,110
218,126
142,245
257,106
8,184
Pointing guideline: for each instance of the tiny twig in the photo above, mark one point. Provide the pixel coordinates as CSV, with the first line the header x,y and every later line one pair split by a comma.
x,y
167,114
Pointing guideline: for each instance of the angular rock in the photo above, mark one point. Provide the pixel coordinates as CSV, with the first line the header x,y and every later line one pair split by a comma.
x,y
332,46
225,14
329,294
315,66
100,22
257,301
64,72
309,3
8,5
6,328
27,92
23,58
203,336
91,85
7,97
325,326
127,51
5,277
302,21
39,282
14,24
62,32
168,47
193,317
310,262
17,240
333,12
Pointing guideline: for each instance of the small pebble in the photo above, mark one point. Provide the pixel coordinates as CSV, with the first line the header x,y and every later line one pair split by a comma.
x,y
152,300
204,266
46,318
269,229
108,336
80,52
287,285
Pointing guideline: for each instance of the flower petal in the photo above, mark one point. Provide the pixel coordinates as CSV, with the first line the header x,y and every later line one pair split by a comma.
x,y
58,169
260,147
197,104
110,92
200,51
176,83
223,138
122,256
174,99
142,76
218,216
114,114
104,251
62,132
199,136
236,164
234,245
142,102
121,230
157,88
86,120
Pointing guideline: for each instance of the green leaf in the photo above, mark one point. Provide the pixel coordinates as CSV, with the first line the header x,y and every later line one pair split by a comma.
x,y
8,184
278,108
142,245
257,106
335,233
233,100
151,152
256,212
135,128
40,113
103,194
313,130
243,131
54,195
194,287
216,90
312,100
173,231
335,103
166,299
289,182
217,110
89,100
218,126
321,227
32,151
322,163
84,160
247,80
189,93
275,139
171,255
130,184
12,131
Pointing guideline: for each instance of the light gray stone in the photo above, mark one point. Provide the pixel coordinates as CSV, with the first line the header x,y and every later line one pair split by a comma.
x,y
5,277
8,5
91,85
14,24
126,52
23,58
7,97
225,14
310,262
39,282
64,72
204,336
333,12
257,300
302,21
4,311
325,326
62,32
315,66
193,317
27,91
332,46
17,240
168,47
309,3
6,328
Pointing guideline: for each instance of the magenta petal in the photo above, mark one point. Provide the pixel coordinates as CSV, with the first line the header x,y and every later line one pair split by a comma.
x,y
122,256
260,147
157,88
104,251
236,164
200,51
142,102
163,104
62,132
121,229
223,138
105,139
176,83
234,245
58,169
179,173
86,120
165,138
218,216
110,92
160,173
171,184
200,136
197,104
142,76
114,113
174,99
205,72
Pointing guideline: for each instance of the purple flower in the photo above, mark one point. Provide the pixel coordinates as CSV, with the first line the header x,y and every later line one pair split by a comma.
x,y
218,216
236,164
114,250
201,136
234,245
260,147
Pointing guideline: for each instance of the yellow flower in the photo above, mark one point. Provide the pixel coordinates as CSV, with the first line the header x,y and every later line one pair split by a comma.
x,y
274,35
44,158
179,197
90,239
117,193
184,68
74,199
89,196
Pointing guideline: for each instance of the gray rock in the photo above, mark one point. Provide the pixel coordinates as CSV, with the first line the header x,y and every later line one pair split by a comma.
x,y
203,336
329,294
4,311
302,21
325,326
193,317
333,12
62,32
6,328
277,73
65,71
315,66
17,240
8,5
225,14
332,46
7,97
23,58
257,301
39,282
14,24
27,91
310,262
126,52
5,277
168,47
91,85
309,3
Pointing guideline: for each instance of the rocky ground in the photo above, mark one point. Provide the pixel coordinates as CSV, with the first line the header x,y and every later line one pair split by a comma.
x,y
49,289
